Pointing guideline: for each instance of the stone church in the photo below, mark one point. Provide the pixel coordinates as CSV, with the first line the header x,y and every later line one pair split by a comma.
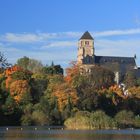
x,y
87,59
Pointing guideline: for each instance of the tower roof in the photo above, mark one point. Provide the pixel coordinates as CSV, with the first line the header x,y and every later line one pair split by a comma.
x,y
86,35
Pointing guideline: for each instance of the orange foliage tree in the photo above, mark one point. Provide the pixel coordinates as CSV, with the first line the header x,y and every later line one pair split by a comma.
x,y
63,93
9,72
72,72
116,90
18,88
16,83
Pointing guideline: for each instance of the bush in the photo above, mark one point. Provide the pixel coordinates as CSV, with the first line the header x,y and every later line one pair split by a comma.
x,y
26,120
99,120
86,120
137,121
125,118
39,118
81,120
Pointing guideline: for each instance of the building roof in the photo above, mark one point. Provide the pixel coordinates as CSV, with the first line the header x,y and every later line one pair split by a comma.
x,y
123,60
86,35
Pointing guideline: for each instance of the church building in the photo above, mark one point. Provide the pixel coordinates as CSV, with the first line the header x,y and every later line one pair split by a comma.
x,y
87,59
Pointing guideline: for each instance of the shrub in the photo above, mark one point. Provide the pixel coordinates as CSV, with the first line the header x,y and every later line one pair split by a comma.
x,y
137,121
99,120
125,118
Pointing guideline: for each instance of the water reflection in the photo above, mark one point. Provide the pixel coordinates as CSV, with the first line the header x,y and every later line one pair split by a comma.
x,y
44,133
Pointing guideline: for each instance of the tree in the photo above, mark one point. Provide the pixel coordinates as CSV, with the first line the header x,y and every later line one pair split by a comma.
x,y
134,91
130,79
26,118
100,77
8,74
53,69
10,106
35,66
32,65
64,95
21,75
3,61
23,62
73,76
38,84
18,89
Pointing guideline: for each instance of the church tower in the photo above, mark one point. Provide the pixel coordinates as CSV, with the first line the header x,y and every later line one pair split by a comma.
x,y
85,49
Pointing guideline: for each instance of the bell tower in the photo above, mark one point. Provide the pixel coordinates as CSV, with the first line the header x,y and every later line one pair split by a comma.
x,y
85,49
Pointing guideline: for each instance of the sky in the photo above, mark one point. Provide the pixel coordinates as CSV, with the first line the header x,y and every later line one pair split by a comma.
x,y
49,30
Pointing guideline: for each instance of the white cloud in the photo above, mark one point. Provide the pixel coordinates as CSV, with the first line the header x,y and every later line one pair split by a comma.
x,y
117,32
36,37
21,38
45,44
117,47
60,44
45,37
137,20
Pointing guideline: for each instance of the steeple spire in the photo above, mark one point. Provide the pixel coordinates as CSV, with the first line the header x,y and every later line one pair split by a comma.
x,y
86,35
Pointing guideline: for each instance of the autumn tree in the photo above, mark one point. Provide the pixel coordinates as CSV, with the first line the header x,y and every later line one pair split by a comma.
x,y
8,74
74,77
18,89
64,95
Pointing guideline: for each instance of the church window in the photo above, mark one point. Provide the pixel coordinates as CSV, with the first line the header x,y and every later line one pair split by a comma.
x,y
81,43
86,42
122,61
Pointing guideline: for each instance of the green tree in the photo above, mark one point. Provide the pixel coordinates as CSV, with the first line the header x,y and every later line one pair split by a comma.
x,y
38,84
130,79
23,62
10,106
100,78
21,75
26,118
53,69
32,65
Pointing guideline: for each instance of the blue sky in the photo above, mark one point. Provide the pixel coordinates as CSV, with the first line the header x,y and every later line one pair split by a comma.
x,y
48,30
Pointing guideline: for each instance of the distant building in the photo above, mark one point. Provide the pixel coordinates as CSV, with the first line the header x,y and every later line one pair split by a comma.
x,y
87,58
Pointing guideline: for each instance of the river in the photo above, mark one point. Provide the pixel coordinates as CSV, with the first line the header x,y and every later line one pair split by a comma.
x,y
46,133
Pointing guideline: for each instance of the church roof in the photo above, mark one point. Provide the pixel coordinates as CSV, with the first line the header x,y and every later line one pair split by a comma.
x,y
86,35
110,59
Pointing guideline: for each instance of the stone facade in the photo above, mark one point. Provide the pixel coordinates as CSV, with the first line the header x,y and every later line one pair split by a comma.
x,y
85,49
87,59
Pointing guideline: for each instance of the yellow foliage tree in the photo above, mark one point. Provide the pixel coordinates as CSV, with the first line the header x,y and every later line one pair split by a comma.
x,y
134,91
18,88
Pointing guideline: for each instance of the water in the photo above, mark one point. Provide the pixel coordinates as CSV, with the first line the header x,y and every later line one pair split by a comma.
x,y
45,133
